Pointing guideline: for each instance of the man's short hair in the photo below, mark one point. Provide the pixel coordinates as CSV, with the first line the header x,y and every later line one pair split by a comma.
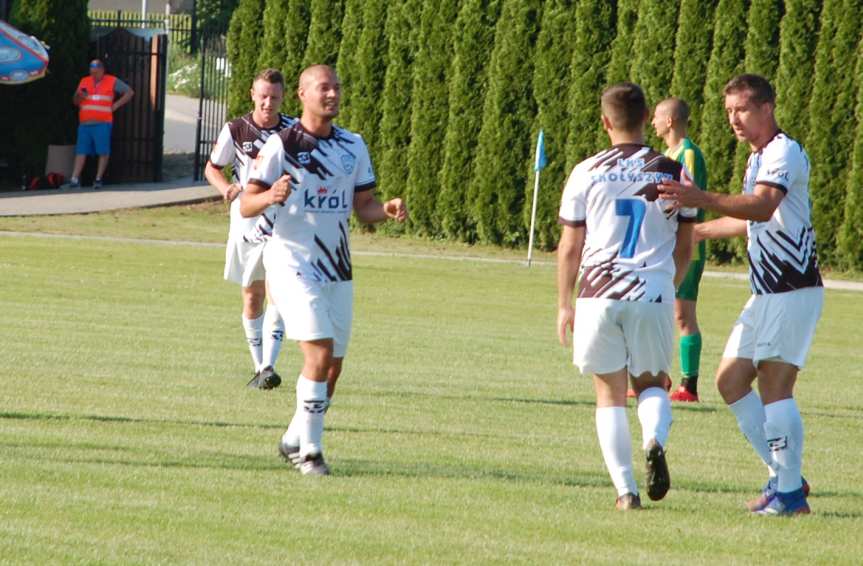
x,y
272,76
760,89
678,109
625,106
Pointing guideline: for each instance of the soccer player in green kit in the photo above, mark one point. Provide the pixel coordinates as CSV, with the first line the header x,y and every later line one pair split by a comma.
x,y
671,120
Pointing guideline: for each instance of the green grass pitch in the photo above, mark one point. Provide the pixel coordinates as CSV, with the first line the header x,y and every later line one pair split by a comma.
x,y
460,432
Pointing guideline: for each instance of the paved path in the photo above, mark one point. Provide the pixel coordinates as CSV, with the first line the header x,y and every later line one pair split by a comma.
x,y
181,120
112,197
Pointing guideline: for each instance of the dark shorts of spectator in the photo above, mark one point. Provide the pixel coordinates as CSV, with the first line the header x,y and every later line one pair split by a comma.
x,y
94,139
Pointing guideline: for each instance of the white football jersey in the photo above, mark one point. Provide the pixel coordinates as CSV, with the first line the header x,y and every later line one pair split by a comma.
x,y
782,255
238,144
630,231
310,235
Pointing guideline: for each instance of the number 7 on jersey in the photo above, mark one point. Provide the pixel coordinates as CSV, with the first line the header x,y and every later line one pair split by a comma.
x,y
634,209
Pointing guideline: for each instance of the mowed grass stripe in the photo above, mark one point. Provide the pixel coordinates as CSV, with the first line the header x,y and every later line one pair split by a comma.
x,y
460,433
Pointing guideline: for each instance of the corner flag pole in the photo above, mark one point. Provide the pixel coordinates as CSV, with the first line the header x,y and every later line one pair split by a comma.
x,y
538,165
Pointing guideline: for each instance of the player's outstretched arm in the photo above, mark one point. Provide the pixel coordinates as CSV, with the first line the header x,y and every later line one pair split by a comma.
x,y
725,227
370,211
229,191
258,196
682,251
758,206
568,263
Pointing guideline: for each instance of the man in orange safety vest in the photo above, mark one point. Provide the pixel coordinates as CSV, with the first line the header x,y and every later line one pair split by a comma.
x,y
95,99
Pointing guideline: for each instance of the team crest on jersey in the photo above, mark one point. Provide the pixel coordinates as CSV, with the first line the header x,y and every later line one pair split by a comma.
x,y
304,157
348,163
248,146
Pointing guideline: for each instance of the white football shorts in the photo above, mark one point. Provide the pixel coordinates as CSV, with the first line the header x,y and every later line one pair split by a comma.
x,y
317,310
776,326
244,262
610,335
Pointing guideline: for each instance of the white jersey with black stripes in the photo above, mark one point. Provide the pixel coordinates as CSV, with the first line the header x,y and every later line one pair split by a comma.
x,y
782,254
311,232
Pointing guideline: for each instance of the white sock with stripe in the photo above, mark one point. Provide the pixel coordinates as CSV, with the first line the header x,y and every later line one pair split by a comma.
x,y
273,336
311,404
254,329
783,428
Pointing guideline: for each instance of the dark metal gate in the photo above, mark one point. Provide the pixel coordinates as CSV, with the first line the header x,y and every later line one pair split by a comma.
x,y
139,58
213,101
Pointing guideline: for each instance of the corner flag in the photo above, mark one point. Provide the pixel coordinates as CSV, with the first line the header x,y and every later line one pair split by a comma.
x,y
538,166
541,161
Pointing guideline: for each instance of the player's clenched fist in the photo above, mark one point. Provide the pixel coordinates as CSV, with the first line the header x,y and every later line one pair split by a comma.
x,y
281,190
565,321
396,209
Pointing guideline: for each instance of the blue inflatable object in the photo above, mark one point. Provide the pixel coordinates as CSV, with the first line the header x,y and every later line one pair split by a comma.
x,y
23,58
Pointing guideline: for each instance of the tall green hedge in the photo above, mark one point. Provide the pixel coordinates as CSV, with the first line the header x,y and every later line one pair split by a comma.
x,y
762,57
473,38
550,87
620,63
594,32
325,32
429,114
653,52
691,55
47,102
372,65
401,29
244,46
797,40
716,138
851,232
450,94
348,65
831,112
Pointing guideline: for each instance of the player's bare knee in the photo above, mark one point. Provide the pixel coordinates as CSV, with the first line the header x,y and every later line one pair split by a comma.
x,y
647,380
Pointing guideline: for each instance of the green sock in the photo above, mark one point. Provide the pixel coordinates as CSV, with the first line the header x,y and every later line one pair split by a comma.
x,y
690,355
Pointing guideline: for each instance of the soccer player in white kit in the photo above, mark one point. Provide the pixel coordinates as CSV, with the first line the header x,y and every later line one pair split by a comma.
x,y
319,173
238,144
630,250
772,336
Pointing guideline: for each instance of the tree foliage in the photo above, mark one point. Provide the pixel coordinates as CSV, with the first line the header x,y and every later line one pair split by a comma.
x,y
504,142
429,114
473,39
594,31
550,87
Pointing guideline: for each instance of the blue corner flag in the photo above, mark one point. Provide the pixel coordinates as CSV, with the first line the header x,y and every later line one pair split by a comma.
x,y
541,161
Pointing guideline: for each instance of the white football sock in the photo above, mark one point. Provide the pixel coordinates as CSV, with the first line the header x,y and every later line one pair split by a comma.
x,y
311,404
253,328
273,334
750,418
784,430
612,428
654,412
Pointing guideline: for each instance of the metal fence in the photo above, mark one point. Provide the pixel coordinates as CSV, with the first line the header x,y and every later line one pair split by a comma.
x,y
213,98
181,28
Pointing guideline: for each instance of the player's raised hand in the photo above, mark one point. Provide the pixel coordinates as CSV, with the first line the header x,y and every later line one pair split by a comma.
x,y
565,320
233,192
685,195
396,209
281,190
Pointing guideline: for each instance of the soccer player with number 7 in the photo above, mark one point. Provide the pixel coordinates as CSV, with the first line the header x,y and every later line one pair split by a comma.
x,y
630,249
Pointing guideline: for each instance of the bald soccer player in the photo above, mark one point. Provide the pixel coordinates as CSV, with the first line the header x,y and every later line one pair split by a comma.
x,y
671,121
320,174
